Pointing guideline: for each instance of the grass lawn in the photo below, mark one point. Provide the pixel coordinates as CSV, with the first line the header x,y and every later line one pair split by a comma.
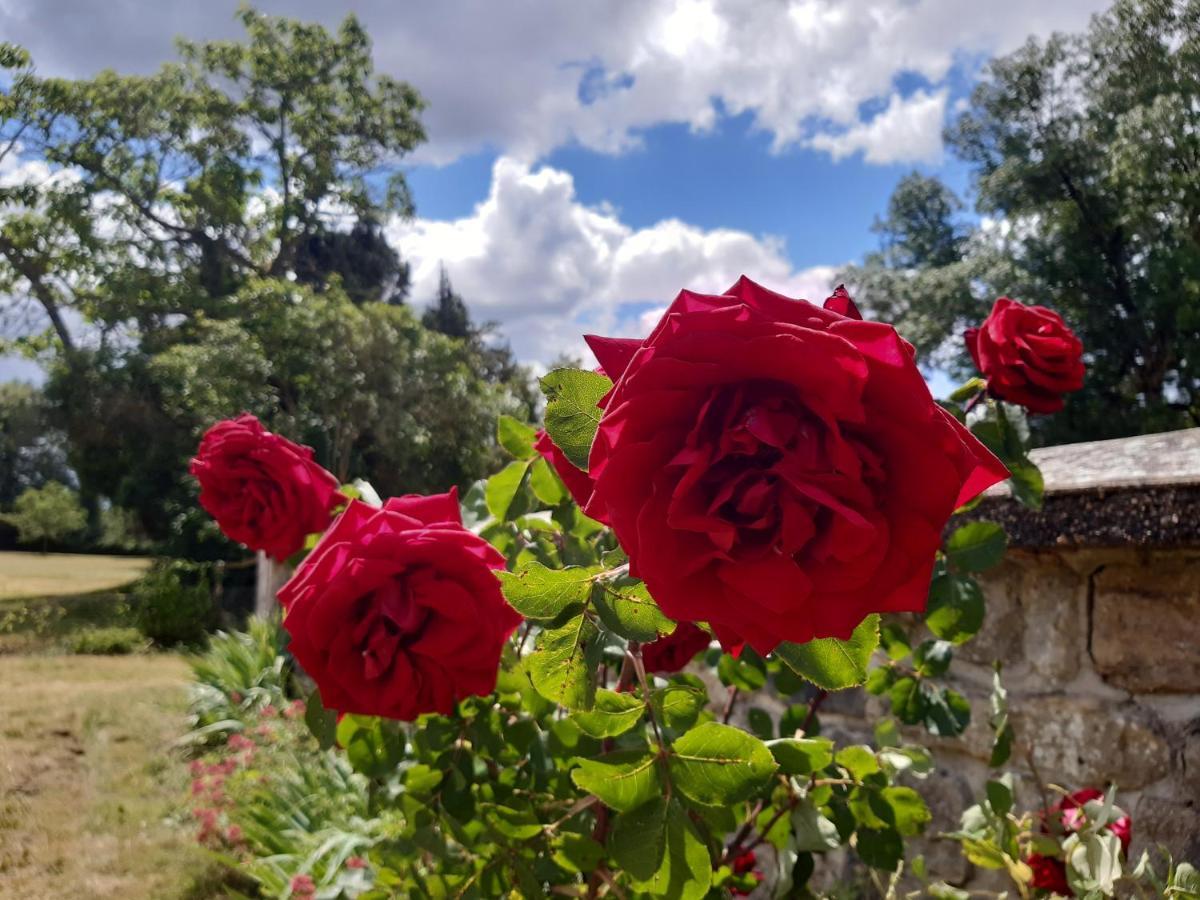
x,y
55,574
91,788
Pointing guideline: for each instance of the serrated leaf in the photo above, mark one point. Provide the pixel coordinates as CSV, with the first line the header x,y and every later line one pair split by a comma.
x,y
859,760
626,608
1026,483
546,484
909,814
881,848
564,661
538,592
572,415
660,849
679,705
955,609
623,780
746,674
718,764
502,489
373,746
515,437
976,546
611,714
833,664
760,723
801,756
577,853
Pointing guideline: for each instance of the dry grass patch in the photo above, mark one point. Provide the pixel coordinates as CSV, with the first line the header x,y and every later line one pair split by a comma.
x,y
91,789
59,574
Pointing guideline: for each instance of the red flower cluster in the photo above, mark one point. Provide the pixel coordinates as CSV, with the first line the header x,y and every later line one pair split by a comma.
x,y
1068,816
397,611
263,490
777,469
1028,355
742,864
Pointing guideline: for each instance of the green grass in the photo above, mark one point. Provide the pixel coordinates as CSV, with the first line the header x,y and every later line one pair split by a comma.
x,y
25,575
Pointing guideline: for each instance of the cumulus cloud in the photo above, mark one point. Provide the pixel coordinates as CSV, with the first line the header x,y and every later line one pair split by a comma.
x,y
547,268
523,78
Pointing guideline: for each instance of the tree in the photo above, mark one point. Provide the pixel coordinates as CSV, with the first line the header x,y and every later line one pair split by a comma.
x,y
1084,150
49,513
209,238
32,450
448,312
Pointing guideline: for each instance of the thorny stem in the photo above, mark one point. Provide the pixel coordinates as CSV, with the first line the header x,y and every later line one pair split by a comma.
x,y
730,701
812,709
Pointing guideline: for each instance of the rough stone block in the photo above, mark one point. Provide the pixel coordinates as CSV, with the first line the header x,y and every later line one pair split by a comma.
x,y
1146,625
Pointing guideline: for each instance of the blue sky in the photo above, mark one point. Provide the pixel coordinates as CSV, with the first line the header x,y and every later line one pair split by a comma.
x,y
587,160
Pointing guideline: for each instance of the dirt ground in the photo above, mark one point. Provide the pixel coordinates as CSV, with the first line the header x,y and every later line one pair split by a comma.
x,y
91,789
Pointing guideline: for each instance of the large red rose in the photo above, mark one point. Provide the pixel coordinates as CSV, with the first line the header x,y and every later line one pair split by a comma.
x,y
672,652
1028,355
397,611
776,469
577,481
263,490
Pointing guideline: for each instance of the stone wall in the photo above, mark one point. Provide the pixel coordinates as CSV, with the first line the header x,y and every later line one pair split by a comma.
x,y
1101,654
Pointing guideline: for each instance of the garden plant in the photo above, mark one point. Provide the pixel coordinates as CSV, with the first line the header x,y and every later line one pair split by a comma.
x,y
600,672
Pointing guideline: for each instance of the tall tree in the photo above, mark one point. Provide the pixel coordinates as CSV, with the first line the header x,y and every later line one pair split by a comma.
x,y
1085,151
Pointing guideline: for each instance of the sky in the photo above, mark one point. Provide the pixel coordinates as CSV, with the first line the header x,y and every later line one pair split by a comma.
x,y
587,160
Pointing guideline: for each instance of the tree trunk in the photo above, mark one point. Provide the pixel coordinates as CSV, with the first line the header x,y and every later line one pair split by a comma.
x,y
269,578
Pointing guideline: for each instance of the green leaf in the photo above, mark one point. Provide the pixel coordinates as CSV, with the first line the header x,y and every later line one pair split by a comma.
x,y
833,664
718,764
679,705
1026,483
746,674
801,756
908,813
976,546
546,484
577,853
572,415
908,703
660,849
538,592
814,832
627,609
518,824
503,487
933,657
373,746
1001,726
955,609
612,714
321,722
1093,862
624,779
1000,798
968,390
880,848
516,437
564,661
947,712
859,760
760,723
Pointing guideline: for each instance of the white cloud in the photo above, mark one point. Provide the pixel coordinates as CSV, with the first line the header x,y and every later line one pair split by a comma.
x,y
908,130
523,78
547,268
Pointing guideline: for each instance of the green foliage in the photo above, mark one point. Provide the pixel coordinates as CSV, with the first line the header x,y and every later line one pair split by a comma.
x,y
112,641
51,513
833,664
32,451
173,604
571,412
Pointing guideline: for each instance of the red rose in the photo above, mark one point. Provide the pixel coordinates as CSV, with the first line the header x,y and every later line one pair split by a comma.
x,y
263,490
397,612
1049,874
577,481
742,864
776,469
1028,355
672,652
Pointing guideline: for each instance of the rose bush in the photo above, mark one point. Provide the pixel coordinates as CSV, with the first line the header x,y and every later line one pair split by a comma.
x,y
263,490
765,486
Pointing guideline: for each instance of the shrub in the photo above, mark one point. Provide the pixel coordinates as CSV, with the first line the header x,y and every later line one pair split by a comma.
x,y
174,604
107,641
47,514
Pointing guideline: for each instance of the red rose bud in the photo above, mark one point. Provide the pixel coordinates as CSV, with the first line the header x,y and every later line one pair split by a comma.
x,y
672,652
1028,355
776,469
1049,874
263,490
742,864
397,611
577,481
